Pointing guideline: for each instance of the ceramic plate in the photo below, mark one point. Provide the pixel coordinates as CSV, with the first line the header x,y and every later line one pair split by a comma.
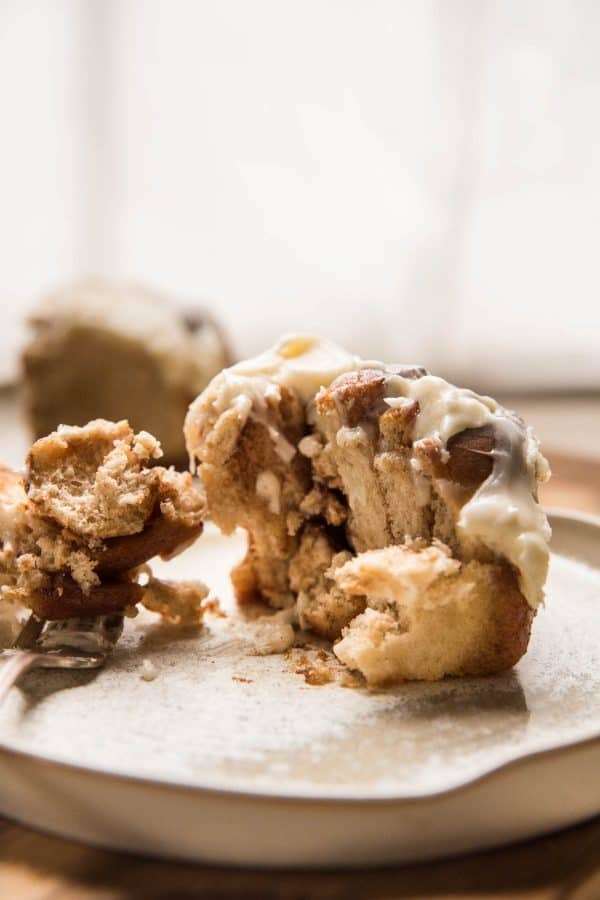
x,y
228,756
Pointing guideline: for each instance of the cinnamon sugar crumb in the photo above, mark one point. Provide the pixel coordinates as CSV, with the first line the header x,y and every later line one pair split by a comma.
x,y
316,675
318,667
314,671
213,606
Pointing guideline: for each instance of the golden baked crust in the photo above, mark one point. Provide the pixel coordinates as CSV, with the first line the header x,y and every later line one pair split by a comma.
x,y
441,617
60,597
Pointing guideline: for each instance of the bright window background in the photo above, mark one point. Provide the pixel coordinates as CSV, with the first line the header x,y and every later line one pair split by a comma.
x,y
419,180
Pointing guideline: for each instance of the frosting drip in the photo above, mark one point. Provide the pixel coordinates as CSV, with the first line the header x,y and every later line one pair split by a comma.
x,y
503,513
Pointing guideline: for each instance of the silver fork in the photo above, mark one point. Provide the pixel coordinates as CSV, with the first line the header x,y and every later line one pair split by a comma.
x,y
70,644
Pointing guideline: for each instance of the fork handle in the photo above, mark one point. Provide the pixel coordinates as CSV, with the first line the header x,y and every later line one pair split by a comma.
x,y
15,666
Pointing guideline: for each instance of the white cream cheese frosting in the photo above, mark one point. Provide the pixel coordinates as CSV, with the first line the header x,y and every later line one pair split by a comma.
x,y
503,513
300,362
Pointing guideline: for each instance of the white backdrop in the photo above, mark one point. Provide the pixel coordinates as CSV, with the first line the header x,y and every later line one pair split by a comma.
x,y
420,180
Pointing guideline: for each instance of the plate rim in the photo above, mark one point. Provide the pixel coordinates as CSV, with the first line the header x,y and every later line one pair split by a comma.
x,y
265,793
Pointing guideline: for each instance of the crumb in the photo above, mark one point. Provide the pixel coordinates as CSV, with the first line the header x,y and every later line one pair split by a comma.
x,y
178,602
314,671
321,667
243,680
213,606
149,671
315,674
273,634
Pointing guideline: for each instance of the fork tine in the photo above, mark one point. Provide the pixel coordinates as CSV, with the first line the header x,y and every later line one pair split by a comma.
x,y
29,634
93,634
82,643
13,668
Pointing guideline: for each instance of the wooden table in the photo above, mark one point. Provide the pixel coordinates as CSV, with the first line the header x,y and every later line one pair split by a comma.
x,y
564,865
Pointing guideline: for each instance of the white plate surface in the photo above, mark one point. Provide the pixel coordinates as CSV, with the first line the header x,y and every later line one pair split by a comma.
x,y
232,757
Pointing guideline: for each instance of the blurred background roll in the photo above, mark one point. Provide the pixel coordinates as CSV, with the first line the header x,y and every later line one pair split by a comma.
x,y
419,181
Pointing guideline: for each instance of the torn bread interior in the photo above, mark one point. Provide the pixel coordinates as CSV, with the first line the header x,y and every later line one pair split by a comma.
x,y
91,509
395,513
